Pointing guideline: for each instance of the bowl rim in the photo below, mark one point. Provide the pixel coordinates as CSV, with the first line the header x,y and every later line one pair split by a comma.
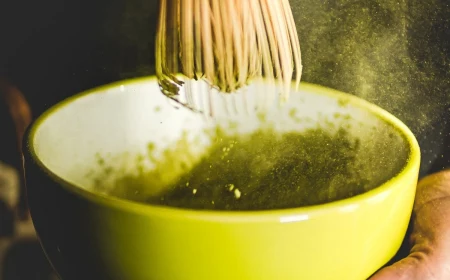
x,y
282,215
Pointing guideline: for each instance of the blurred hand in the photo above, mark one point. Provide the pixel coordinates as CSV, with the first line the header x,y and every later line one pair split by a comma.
x,y
12,128
429,258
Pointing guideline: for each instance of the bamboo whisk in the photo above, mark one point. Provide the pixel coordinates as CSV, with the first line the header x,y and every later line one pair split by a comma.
x,y
226,44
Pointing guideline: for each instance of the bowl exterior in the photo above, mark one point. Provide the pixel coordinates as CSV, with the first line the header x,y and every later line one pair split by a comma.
x,y
87,239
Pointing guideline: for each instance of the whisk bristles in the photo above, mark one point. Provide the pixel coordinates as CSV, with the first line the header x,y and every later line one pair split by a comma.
x,y
227,43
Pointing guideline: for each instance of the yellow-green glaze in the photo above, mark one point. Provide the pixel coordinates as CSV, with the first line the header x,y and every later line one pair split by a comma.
x,y
87,235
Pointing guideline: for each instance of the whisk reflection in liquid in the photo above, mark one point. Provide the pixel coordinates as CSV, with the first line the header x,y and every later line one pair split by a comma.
x,y
207,48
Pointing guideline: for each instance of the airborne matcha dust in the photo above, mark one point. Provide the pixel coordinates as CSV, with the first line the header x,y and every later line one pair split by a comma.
x,y
266,170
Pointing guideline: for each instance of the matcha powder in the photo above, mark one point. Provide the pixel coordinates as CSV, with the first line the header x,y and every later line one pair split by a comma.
x,y
268,170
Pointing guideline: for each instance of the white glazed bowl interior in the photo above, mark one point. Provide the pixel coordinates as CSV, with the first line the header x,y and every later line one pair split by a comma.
x,y
118,122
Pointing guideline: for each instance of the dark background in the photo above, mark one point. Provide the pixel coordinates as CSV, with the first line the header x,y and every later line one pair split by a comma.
x,y
393,53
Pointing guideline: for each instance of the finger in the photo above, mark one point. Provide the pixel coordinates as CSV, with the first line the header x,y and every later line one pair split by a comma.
x,y
431,223
432,188
417,266
430,253
405,269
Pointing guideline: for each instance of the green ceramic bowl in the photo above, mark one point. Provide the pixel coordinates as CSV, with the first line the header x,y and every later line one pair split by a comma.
x,y
88,234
